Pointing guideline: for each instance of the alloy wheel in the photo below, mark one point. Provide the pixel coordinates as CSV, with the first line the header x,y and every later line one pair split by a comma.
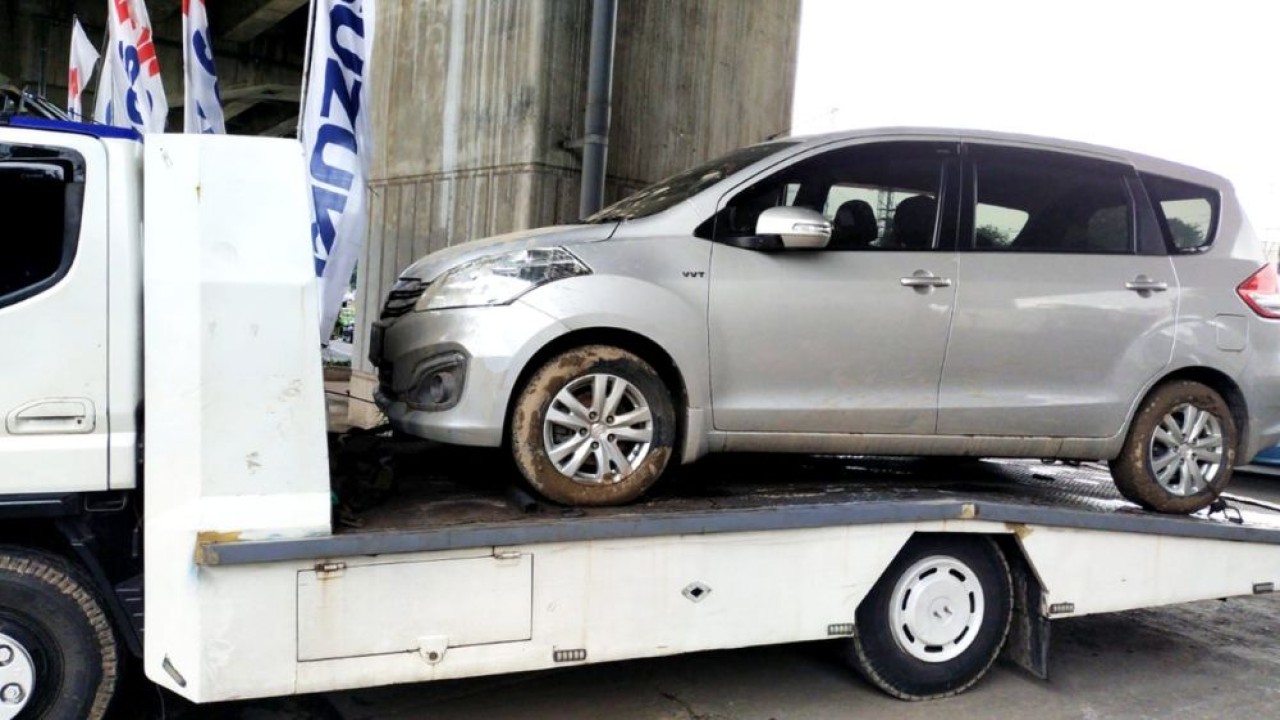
x,y
1186,450
598,429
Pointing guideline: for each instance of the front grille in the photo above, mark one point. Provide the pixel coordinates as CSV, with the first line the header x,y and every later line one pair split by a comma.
x,y
404,294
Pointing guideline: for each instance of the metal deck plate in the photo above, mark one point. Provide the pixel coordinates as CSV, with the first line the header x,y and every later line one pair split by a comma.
x,y
443,508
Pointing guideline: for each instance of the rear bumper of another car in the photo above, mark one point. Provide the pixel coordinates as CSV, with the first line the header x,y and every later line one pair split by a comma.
x,y
479,352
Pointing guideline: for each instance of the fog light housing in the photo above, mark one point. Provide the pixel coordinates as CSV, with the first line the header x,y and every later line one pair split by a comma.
x,y
438,382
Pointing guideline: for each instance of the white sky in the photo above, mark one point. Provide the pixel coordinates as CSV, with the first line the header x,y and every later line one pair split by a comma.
x,y
1198,83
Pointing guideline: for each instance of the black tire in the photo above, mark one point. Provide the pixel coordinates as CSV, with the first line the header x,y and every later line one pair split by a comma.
x,y
878,654
49,607
565,372
1132,471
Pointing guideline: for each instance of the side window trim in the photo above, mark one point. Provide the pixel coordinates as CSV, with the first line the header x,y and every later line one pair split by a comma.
x,y
1148,232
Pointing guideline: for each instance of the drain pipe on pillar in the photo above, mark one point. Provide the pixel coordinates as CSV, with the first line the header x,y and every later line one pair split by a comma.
x,y
595,149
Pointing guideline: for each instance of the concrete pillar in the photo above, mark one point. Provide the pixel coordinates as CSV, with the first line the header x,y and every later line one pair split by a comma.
x,y
478,105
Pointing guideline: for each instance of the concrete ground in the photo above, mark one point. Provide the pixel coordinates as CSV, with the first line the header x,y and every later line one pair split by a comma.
x,y
1203,660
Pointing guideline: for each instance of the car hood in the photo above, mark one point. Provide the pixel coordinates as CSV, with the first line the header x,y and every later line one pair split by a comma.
x,y
432,266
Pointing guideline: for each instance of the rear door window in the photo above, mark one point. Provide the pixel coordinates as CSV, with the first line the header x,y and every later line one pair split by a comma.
x,y
1188,213
1034,201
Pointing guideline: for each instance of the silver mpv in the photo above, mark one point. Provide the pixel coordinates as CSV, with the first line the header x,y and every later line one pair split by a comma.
x,y
896,292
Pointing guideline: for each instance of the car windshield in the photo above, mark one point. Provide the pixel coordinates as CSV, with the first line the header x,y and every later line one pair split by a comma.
x,y
684,185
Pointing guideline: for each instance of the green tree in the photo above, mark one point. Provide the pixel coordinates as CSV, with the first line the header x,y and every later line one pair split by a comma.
x,y
1185,234
992,236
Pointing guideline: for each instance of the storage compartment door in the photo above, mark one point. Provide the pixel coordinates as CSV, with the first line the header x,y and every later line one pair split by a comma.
x,y
392,607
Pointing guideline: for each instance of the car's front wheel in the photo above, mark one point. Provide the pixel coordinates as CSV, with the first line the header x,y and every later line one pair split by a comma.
x,y
593,426
1180,451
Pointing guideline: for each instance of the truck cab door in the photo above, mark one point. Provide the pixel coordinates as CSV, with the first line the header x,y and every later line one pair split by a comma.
x,y
53,313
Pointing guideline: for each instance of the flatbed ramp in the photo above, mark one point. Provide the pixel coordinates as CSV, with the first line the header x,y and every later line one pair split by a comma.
x,y
449,510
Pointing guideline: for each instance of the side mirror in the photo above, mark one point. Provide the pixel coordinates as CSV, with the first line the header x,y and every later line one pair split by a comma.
x,y
800,228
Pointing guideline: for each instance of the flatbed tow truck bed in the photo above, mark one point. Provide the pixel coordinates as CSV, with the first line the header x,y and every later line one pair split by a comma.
x,y
448,510
454,571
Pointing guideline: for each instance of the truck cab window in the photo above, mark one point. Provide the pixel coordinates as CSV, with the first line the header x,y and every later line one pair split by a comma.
x,y
41,196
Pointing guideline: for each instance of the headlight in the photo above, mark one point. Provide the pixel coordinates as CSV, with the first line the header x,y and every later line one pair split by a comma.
x,y
500,279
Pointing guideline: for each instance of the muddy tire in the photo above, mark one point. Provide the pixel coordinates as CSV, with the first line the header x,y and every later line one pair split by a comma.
x,y
593,426
58,653
937,618
1180,451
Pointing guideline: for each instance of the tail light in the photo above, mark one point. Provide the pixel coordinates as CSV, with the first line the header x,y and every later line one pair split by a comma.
x,y
1261,292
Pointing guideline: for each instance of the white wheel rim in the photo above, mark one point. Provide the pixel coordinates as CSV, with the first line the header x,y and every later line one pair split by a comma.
x,y
1186,450
937,608
17,677
598,429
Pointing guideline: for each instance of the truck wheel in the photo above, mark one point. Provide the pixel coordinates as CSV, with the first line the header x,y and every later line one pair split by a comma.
x,y
57,649
936,619
593,426
1180,451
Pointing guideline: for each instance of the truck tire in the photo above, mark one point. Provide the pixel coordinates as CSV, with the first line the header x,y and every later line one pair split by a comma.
x,y
593,426
936,619
58,653
1180,451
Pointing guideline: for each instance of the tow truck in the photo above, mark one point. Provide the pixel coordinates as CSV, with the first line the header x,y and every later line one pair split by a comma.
x,y
167,490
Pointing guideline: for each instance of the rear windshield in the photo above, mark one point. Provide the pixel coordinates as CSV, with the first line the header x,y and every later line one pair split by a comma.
x,y
684,185
1188,213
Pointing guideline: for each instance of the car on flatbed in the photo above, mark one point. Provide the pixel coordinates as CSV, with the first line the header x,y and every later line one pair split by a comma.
x,y
899,292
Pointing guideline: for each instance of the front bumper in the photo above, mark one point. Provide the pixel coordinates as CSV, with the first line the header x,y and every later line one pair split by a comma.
x,y
496,344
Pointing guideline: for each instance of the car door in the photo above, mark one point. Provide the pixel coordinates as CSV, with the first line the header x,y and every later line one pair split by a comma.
x,y
848,339
1069,299
53,313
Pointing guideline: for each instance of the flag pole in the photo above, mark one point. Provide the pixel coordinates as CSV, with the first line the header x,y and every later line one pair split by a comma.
x,y
306,66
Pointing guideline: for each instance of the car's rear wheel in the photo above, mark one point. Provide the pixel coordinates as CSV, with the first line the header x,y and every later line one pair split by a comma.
x,y
1180,451
935,621
593,426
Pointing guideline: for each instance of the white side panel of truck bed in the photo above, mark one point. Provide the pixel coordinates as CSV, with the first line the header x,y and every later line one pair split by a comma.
x,y
1096,572
235,417
611,600
604,600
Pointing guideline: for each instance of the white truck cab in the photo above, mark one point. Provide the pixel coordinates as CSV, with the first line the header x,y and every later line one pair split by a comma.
x,y
70,310
164,467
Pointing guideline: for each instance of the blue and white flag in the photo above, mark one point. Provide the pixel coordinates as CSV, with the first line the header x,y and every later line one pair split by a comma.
x,y
337,143
130,93
202,98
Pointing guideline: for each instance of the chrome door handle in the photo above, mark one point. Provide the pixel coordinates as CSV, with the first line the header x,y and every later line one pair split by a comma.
x,y
1142,284
924,279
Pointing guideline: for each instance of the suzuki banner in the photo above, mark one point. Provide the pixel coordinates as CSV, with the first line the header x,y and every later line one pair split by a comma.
x,y
130,93
337,141
202,97
80,67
